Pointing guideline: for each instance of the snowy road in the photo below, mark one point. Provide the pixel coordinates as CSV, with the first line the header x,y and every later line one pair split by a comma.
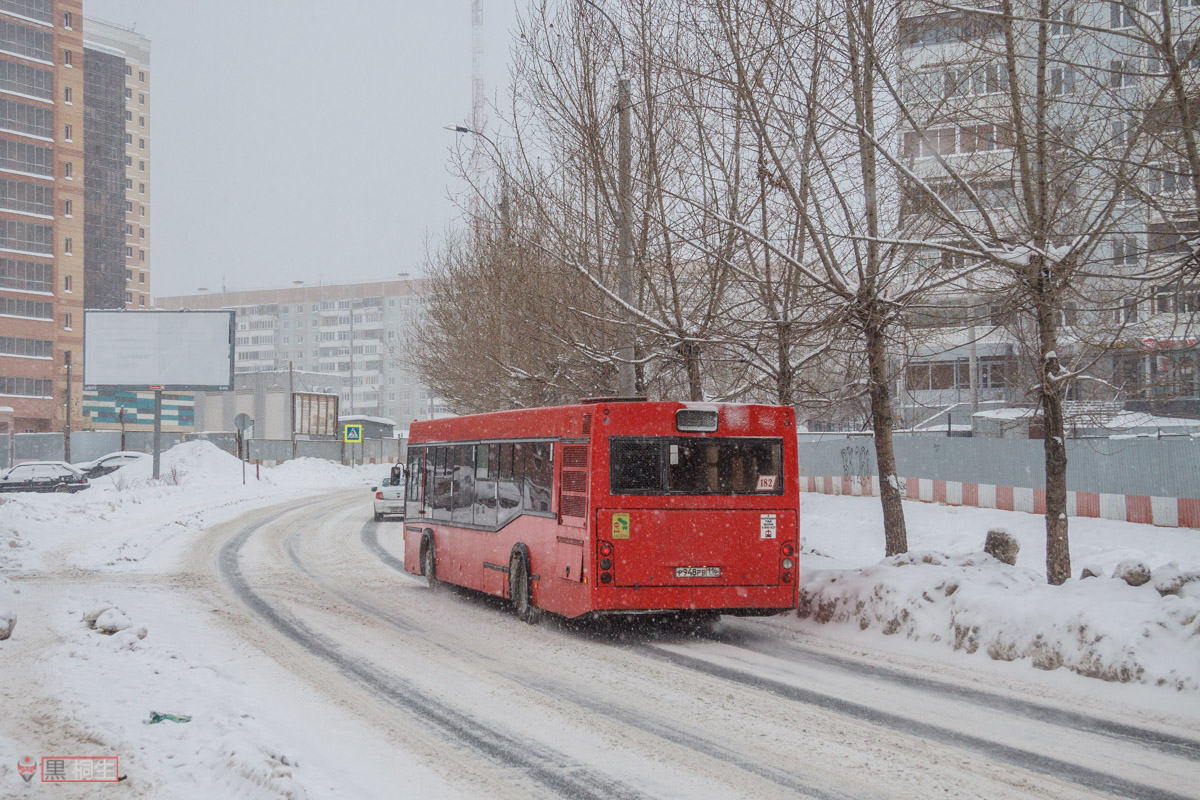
x,y
491,706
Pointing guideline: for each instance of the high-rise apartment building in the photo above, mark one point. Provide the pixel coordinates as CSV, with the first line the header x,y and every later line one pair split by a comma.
x,y
41,211
118,107
359,331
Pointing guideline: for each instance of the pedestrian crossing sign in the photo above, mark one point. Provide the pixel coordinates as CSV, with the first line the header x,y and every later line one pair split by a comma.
x,y
353,433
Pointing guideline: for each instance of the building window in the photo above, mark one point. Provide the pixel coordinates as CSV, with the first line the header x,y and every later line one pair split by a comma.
x,y
141,211
141,233
129,230
129,252
66,208
129,161
128,275
1061,22
67,321
141,144
128,70
129,138
67,95
66,58
141,300
128,93
128,297
141,99
1120,15
141,120
128,116
68,170
66,283
67,246
141,166
141,77
141,277
142,257
67,19
141,188
128,206
67,133
1121,74
129,185
1062,80
1124,251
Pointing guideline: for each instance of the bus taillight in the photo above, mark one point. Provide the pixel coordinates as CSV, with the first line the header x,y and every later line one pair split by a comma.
x,y
606,562
787,561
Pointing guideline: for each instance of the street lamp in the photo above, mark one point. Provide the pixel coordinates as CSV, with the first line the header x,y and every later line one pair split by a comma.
x,y
626,383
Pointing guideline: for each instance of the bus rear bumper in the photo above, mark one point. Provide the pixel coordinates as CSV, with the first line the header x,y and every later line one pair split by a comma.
x,y
741,601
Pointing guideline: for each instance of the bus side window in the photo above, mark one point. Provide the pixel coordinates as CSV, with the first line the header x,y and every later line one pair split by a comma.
x,y
486,457
463,484
415,475
508,487
442,494
539,471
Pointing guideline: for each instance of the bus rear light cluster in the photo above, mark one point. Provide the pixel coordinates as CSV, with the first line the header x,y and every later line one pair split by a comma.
x,y
605,549
787,561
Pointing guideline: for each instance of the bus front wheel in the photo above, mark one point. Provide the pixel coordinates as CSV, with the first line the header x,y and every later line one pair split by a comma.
x,y
520,588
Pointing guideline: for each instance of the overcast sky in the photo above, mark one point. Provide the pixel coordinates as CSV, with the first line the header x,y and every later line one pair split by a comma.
x,y
302,139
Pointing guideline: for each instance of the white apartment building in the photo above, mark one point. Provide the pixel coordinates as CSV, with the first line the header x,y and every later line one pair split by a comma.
x,y
359,331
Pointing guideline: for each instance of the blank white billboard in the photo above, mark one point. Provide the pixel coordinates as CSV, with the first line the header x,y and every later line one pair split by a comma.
x,y
171,350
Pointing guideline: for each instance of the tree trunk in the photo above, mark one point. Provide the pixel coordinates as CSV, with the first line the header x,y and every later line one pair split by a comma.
x,y
691,360
1058,551
894,533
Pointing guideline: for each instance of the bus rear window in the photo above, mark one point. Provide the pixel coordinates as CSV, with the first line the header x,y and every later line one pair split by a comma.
x,y
695,465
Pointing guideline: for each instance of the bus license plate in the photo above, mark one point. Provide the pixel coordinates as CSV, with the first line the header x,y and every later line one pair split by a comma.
x,y
697,572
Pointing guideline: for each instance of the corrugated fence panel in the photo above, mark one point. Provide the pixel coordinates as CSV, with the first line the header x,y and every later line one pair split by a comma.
x,y
1153,467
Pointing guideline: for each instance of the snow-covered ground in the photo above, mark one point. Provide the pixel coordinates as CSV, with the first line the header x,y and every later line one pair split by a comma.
x,y
112,622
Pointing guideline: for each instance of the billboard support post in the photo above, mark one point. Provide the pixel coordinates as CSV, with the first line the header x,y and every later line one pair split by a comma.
x,y
157,429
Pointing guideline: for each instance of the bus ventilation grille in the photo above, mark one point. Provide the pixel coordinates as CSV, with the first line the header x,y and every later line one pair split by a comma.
x,y
574,505
587,424
574,481
574,456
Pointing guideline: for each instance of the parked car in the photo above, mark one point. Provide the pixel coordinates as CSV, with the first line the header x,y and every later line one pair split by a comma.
x,y
389,498
43,476
109,463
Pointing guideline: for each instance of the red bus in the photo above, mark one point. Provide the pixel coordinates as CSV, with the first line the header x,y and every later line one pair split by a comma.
x,y
610,507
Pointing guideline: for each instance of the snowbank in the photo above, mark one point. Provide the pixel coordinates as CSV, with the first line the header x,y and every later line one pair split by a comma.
x,y
945,592
1101,628
8,609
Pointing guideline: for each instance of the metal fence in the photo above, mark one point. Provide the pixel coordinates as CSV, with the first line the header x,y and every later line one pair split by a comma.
x,y
1168,467
88,445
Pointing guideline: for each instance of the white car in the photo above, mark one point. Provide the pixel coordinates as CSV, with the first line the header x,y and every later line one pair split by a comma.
x,y
108,463
389,498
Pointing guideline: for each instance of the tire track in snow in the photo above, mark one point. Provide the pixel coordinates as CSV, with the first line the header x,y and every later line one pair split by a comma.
x,y
1149,738
551,769
1023,759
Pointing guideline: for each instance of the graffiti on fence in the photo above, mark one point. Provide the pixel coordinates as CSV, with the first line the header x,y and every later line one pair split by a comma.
x,y
856,464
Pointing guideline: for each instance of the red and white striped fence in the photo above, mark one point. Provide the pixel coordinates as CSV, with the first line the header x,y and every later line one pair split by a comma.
x,y
1171,512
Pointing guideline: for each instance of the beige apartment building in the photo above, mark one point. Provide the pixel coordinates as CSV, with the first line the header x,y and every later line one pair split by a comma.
x,y
41,210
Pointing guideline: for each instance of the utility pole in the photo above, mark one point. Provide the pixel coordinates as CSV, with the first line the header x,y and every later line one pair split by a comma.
x,y
67,419
625,374
292,406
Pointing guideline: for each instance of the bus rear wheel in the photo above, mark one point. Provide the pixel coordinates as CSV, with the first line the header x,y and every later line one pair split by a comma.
x,y
429,565
520,589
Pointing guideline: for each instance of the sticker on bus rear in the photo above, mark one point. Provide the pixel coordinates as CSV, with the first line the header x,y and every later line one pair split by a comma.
x,y
766,483
620,525
766,526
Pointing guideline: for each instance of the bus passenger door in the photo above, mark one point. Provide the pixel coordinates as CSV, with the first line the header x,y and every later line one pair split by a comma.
x,y
572,512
